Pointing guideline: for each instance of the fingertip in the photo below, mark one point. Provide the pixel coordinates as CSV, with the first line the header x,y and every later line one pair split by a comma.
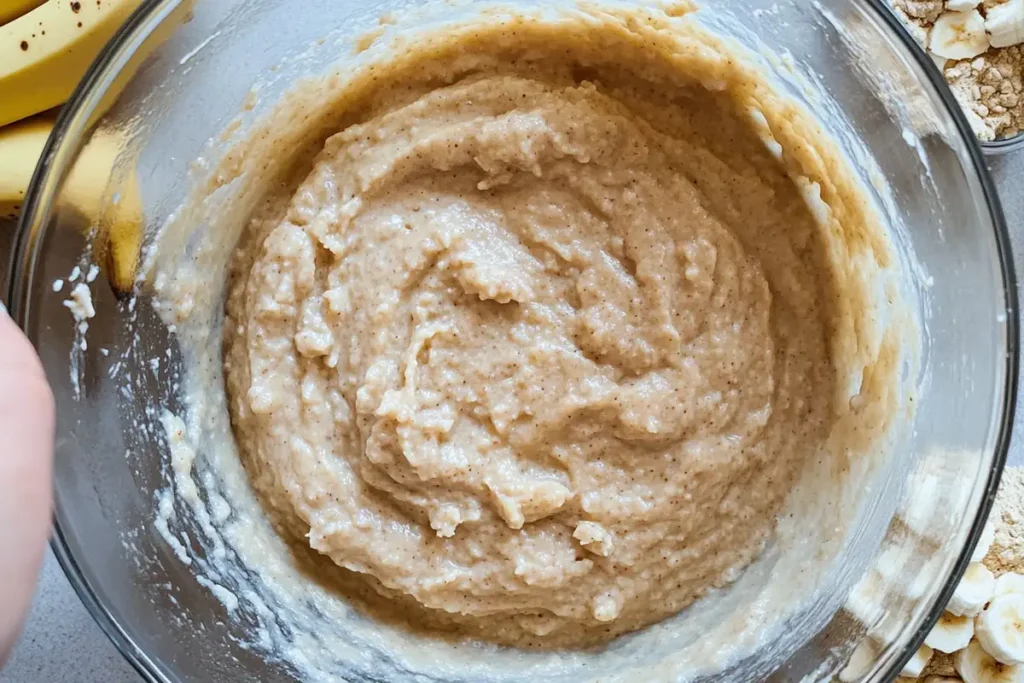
x,y
16,351
27,421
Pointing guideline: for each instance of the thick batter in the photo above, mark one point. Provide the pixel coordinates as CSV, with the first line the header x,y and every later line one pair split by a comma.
x,y
539,346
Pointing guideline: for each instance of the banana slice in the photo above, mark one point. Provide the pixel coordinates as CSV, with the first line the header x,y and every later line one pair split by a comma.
x,y
867,599
922,506
988,534
976,666
1000,629
915,667
1005,23
861,659
973,591
959,35
1008,583
951,633
895,563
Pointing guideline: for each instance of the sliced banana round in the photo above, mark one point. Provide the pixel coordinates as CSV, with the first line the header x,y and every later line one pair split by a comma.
x,y
974,590
897,562
867,599
951,633
1000,629
959,35
860,662
1008,583
988,534
977,666
919,510
1005,23
915,667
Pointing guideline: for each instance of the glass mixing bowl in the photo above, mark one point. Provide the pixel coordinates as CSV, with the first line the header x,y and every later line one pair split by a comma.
x,y
846,60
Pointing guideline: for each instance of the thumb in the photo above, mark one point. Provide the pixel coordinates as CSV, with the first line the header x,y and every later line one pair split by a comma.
x,y
26,453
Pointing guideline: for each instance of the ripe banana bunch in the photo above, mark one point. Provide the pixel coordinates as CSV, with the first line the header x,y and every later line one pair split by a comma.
x,y
47,50
46,46
101,189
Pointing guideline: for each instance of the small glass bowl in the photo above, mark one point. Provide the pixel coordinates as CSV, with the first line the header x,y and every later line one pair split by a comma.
x,y
1005,146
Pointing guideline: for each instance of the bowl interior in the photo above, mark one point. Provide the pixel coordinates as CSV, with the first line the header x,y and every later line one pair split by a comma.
x,y
846,61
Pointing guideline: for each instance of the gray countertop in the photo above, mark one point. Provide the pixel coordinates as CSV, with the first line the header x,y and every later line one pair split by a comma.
x,y
62,643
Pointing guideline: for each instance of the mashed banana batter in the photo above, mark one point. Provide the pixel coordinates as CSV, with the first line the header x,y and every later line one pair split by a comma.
x,y
540,344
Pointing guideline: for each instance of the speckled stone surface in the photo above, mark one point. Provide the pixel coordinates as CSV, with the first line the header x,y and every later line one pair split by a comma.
x,y
62,643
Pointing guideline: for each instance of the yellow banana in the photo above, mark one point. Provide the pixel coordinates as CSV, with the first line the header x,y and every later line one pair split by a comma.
x,y
12,9
44,53
20,145
35,79
101,189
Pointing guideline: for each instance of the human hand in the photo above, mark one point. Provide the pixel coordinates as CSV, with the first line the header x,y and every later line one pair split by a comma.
x,y
26,454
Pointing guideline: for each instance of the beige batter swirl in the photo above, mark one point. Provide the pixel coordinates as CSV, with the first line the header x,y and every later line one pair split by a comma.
x,y
538,347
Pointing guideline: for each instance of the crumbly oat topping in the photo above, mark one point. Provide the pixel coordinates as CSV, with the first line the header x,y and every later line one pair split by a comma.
x,y
990,86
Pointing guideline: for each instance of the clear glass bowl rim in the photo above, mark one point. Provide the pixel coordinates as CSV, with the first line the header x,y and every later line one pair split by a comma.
x,y
72,126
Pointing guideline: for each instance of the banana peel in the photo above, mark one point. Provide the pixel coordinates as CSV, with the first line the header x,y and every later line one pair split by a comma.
x,y
20,147
45,53
101,189
12,9
111,204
